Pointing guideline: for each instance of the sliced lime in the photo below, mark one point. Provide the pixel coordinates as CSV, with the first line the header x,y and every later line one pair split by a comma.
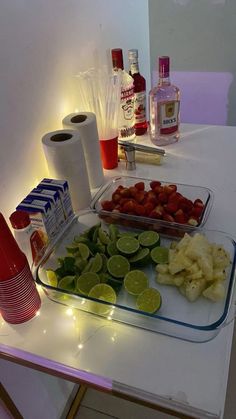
x,y
135,282
112,249
103,236
113,232
104,262
102,292
118,266
86,282
67,283
127,245
104,277
160,254
52,277
141,257
128,234
97,263
83,250
149,300
80,263
149,239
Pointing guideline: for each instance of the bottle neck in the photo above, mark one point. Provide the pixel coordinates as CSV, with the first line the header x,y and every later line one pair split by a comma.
x,y
163,80
134,67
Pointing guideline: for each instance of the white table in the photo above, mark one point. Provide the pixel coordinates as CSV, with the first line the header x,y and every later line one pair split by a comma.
x,y
188,378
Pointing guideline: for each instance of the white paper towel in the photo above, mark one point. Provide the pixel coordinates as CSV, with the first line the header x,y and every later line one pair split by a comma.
x,y
65,158
85,123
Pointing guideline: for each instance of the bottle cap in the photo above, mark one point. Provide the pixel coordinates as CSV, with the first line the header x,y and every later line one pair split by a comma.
x,y
164,66
133,54
117,58
19,219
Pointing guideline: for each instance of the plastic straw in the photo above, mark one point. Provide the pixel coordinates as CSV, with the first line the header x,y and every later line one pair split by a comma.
x,y
99,92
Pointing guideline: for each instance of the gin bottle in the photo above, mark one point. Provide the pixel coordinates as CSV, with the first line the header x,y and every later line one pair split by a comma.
x,y
164,103
126,115
139,93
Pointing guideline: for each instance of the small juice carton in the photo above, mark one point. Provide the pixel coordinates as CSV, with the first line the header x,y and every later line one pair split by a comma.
x,y
63,188
55,197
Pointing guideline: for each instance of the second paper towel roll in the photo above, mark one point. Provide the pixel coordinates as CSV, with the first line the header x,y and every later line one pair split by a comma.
x,y
65,158
85,123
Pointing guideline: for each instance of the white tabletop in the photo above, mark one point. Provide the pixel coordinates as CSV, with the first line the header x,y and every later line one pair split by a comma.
x,y
187,377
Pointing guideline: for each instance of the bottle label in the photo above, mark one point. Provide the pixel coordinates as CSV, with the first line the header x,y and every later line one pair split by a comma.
x,y
140,107
168,117
126,122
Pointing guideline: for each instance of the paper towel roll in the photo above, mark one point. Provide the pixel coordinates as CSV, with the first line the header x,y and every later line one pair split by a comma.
x,y
65,158
86,125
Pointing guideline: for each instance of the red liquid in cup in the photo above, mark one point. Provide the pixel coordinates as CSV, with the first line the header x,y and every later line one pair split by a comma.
x,y
109,153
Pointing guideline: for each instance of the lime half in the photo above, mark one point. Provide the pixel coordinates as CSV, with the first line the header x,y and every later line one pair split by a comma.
x,y
141,257
67,283
86,282
135,282
52,277
149,239
160,254
127,245
149,300
102,292
118,266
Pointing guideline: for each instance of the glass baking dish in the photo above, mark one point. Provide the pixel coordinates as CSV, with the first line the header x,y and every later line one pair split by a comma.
x,y
190,192
198,322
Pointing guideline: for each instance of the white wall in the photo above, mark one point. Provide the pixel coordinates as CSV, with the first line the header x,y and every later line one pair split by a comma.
x,y
43,43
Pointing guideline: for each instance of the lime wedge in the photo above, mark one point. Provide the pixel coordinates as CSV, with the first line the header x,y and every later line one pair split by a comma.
x,y
118,266
135,282
112,249
80,263
104,277
149,239
97,263
86,282
103,236
113,232
127,245
141,257
149,300
102,292
160,254
52,277
128,234
67,283
83,250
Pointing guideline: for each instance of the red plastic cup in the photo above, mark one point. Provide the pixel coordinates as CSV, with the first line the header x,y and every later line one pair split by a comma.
x,y
109,153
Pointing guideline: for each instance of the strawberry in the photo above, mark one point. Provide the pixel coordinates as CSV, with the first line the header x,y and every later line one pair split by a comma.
x,y
125,193
140,209
154,183
133,191
180,217
107,205
128,206
198,203
148,208
168,217
169,189
171,207
116,197
163,197
140,186
139,197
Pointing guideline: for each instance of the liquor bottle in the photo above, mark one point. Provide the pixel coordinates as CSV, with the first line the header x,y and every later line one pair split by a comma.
x,y
164,106
139,93
126,115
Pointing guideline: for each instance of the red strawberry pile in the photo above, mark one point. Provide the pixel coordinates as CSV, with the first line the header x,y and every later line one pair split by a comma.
x,y
162,202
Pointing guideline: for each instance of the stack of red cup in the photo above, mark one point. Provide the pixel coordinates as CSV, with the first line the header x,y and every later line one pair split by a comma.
x,y
19,298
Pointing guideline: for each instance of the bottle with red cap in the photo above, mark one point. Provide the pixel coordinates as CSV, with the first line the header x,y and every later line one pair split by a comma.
x,y
164,103
126,116
28,239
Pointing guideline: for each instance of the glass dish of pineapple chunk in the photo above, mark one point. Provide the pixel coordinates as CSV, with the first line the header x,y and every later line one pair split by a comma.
x,y
193,279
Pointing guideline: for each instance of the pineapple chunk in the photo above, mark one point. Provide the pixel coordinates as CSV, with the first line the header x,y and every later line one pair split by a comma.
x,y
219,274
162,268
198,246
205,263
194,288
165,279
215,292
184,242
221,258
